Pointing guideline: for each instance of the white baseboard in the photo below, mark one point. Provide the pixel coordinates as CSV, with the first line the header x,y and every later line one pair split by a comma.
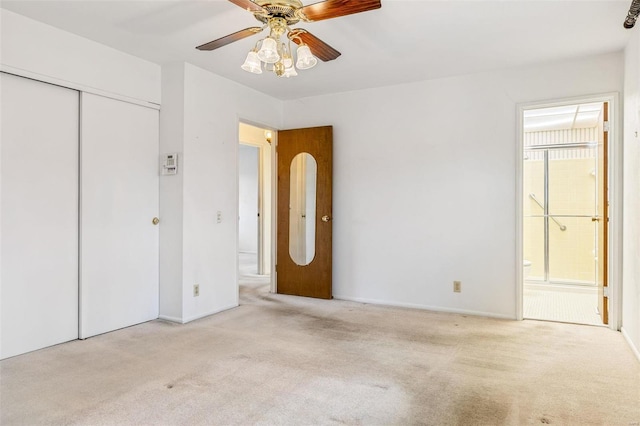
x,y
196,317
171,319
630,342
424,307
206,314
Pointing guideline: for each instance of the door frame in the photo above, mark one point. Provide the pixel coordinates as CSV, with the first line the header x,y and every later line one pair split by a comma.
x,y
262,159
614,273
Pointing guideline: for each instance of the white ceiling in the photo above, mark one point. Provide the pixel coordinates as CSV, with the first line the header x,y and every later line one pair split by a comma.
x,y
404,41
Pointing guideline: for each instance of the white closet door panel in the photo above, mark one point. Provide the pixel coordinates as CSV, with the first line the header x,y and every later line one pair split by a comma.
x,y
119,250
39,215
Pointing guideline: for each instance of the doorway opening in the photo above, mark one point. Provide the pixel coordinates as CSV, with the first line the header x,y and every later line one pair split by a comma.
x,y
255,190
565,213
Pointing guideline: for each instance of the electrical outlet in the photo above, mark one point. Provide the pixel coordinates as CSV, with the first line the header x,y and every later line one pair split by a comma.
x,y
457,286
219,216
196,290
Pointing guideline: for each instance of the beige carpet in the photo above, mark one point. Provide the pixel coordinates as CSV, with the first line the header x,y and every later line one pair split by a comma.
x,y
295,361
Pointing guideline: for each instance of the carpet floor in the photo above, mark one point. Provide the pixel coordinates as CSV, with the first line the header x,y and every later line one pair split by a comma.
x,y
283,360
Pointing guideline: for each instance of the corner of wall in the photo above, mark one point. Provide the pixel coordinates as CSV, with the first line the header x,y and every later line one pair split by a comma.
x,y
171,194
631,197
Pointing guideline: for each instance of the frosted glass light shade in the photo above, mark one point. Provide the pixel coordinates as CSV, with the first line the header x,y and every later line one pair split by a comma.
x,y
305,59
290,71
269,51
252,63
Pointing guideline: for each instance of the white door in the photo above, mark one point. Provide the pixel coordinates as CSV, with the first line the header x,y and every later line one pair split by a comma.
x,y
119,244
39,215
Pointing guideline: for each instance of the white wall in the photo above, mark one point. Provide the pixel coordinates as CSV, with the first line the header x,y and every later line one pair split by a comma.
x,y
631,212
213,107
248,198
171,195
47,53
424,182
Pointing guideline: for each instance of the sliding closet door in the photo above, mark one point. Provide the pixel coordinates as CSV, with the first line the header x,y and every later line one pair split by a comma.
x,y
119,200
39,215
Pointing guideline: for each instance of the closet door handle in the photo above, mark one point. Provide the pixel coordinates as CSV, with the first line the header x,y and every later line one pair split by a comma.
x,y
155,221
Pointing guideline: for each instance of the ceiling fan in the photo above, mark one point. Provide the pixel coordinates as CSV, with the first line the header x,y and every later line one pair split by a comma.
x,y
279,15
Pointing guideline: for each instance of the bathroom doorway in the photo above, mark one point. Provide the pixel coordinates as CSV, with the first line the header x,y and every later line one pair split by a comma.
x,y
565,205
255,158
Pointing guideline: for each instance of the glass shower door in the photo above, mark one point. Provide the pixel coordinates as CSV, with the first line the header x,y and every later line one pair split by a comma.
x,y
560,192
571,234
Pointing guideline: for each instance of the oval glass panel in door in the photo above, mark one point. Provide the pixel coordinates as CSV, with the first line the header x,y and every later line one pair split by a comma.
x,y
302,208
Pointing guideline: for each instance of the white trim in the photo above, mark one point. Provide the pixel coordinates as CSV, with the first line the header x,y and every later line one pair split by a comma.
x,y
423,307
171,319
75,86
615,199
196,317
519,215
633,347
215,311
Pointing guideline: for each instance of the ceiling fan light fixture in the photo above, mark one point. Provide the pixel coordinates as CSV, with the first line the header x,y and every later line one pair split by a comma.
x,y
269,51
279,69
252,64
287,58
279,16
306,59
290,71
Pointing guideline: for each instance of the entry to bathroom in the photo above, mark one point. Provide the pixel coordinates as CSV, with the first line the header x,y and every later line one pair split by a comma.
x,y
565,178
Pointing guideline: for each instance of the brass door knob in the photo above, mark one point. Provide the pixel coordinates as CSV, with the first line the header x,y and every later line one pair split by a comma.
x,y
595,219
155,221
326,218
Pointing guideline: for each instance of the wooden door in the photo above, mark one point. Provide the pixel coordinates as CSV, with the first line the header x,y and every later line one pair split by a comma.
x,y
304,258
39,211
119,279
602,218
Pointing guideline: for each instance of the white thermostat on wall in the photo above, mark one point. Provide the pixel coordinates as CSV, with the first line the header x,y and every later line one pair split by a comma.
x,y
169,164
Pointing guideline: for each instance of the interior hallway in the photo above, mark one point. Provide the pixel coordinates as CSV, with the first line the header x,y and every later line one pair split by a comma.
x,y
289,360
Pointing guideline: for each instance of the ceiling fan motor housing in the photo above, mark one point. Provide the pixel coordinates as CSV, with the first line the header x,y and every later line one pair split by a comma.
x,y
284,9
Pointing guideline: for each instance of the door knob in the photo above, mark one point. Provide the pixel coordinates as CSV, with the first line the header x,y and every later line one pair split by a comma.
x,y
155,221
595,219
326,218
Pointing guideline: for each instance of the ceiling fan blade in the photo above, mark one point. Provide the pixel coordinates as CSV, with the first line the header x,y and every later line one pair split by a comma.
x,y
319,48
248,5
334,8
247,32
